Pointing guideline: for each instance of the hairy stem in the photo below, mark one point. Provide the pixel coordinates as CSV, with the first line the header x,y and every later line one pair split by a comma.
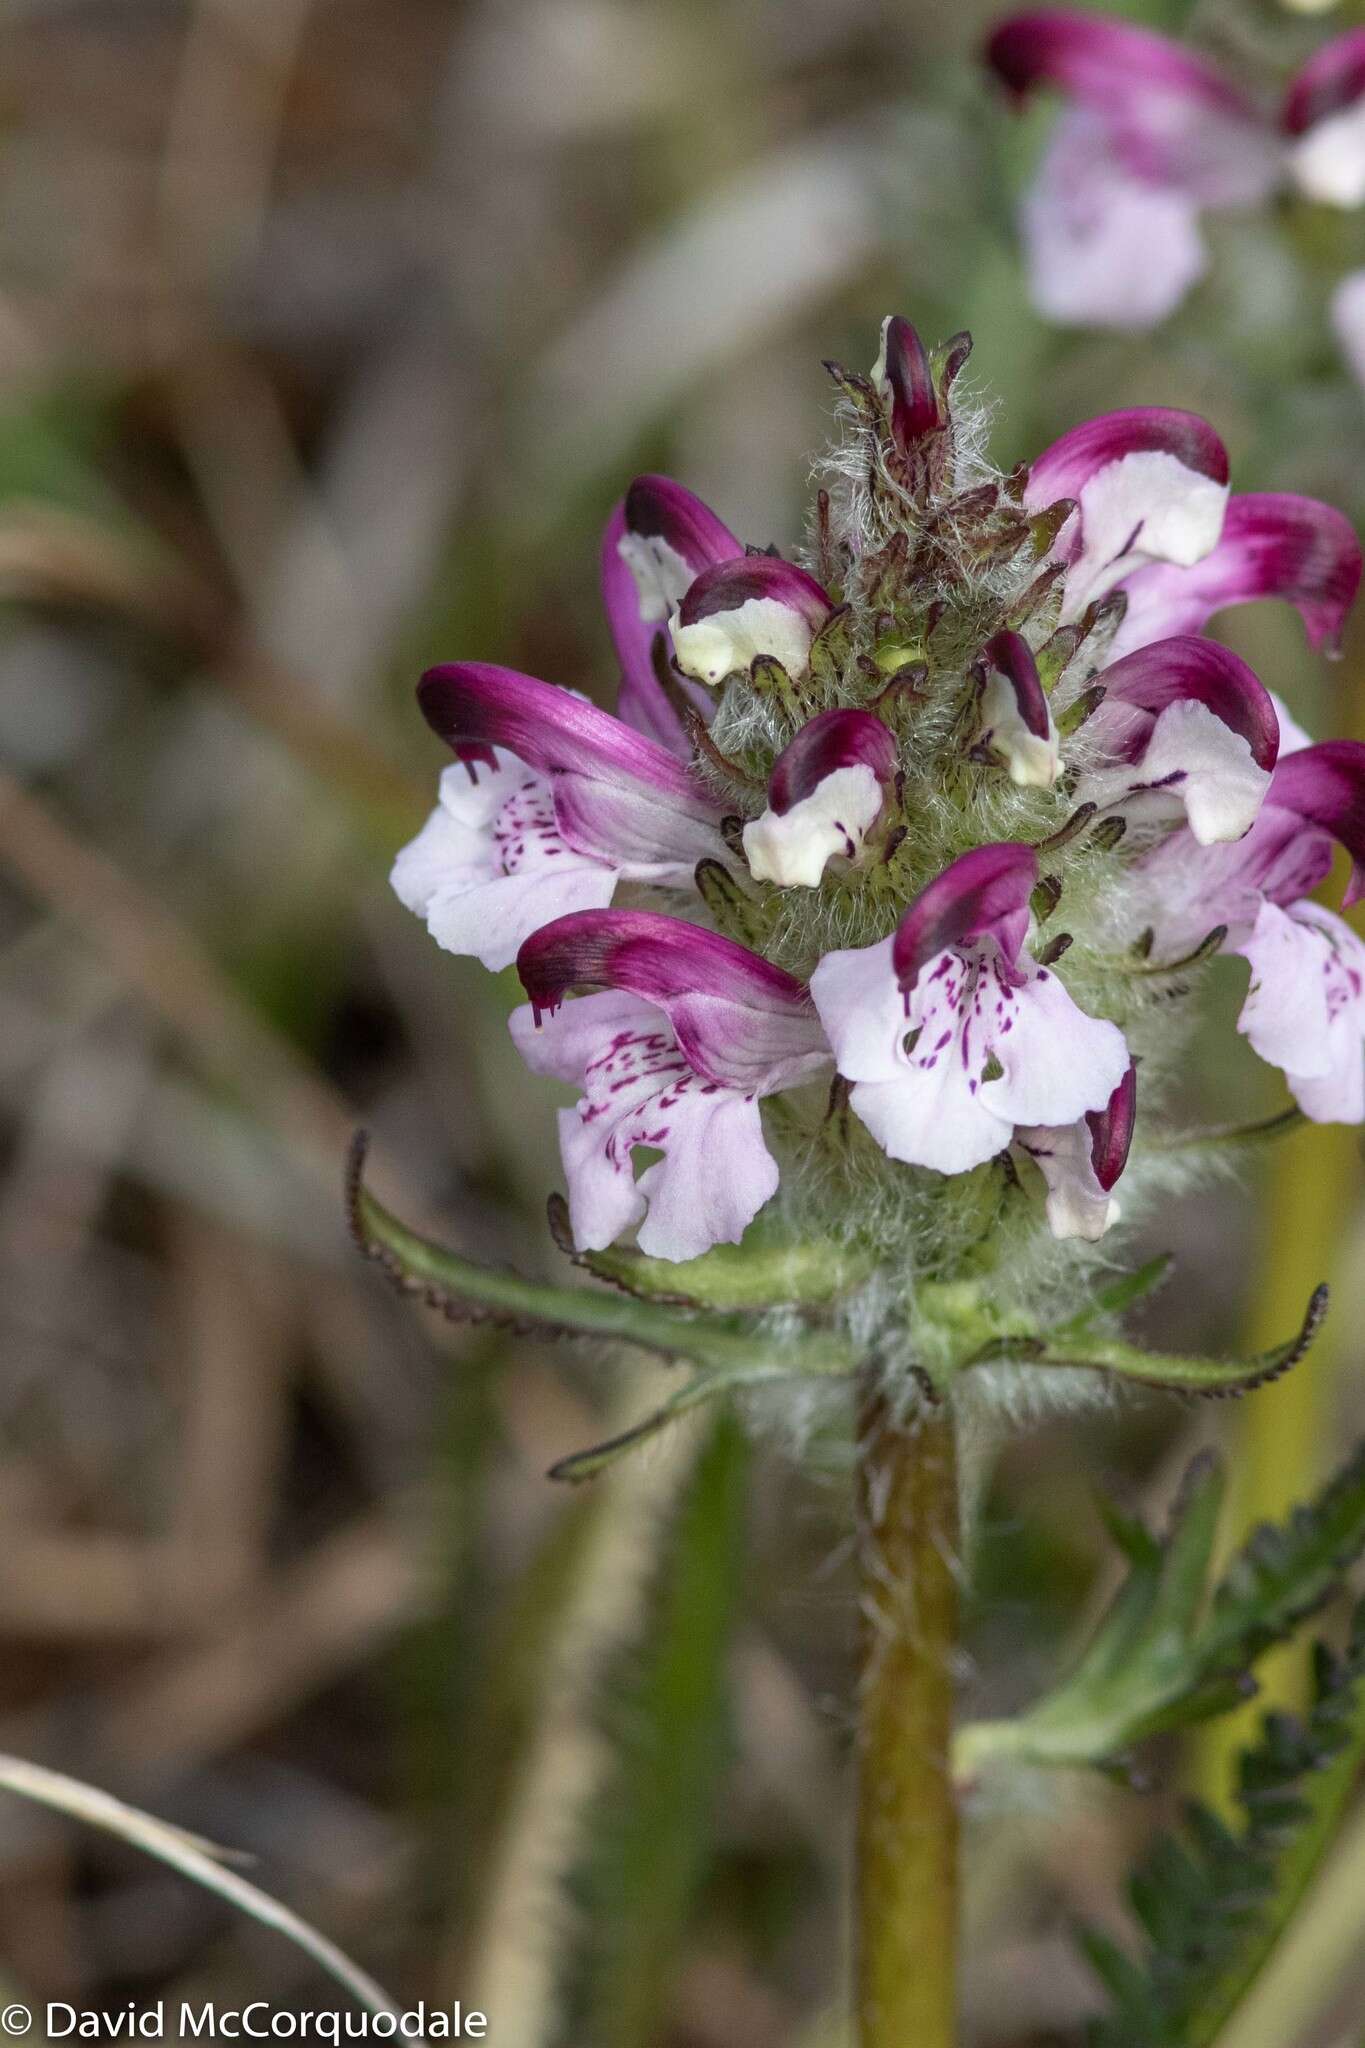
x,y
906,1931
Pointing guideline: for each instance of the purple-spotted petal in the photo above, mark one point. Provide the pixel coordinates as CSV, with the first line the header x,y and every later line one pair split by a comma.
x,y
984,894
639,1090
1105,248
741,1021
618,796
1273,544
944,1072
825,794
1324,786
1324,111
1014,716
491,864
736,611
657,542
1149,484
1175,118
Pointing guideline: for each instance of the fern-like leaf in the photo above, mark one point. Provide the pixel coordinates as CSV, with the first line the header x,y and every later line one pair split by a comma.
x,y
1213,1901
1166,1652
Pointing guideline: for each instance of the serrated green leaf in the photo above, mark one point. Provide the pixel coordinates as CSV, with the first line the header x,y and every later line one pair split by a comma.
x,y
1163,1656
1182,1372
1214,1902
462,1287
1284,1572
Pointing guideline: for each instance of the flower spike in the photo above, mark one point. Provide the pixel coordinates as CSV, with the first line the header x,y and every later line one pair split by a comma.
x,y
738,611
825,794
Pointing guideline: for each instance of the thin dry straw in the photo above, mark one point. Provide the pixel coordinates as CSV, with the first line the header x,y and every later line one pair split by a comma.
x,y
194,1857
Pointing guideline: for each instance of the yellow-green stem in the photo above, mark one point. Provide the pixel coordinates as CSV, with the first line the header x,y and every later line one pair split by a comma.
x,y
906,1908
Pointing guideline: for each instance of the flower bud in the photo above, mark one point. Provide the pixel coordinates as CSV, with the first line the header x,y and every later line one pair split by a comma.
x,y
737,611
1015,716
824,796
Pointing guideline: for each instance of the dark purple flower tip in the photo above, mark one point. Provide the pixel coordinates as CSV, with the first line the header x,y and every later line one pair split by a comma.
x,y
657,508
1111,1131
1064,469
474,705
725,586
658,538
904,375
1325,786
833,740
1191,670
1333,78
645,954
1098,59
984,894
1011,654
739,1021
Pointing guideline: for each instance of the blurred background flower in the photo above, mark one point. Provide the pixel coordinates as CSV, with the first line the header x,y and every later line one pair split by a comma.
x,y
329,334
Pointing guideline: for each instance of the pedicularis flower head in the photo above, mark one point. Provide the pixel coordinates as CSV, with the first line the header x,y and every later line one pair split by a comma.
x,y
878,907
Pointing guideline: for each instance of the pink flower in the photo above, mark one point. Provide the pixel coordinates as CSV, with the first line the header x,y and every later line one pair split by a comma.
x,y
1184,724
952,1034
1068,695
1305,1010
554,803
1154,136
691,1032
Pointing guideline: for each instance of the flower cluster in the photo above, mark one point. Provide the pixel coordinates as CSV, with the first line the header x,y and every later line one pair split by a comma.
x,y
1157,135
891,868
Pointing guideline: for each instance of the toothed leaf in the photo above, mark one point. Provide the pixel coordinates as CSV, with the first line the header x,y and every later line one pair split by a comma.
x,y
1213,1902
464,1289
1164,1655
